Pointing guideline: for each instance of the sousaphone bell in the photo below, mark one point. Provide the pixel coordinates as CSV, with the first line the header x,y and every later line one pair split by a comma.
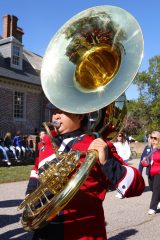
x,y
92,59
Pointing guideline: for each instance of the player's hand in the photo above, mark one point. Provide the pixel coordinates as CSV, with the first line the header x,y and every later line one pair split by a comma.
x,y
101,146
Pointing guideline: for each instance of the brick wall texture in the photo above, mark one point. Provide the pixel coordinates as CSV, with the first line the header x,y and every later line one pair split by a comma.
x,y
34,112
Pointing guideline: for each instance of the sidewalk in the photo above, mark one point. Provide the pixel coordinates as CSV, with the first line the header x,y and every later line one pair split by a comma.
x,y
126,218
11,196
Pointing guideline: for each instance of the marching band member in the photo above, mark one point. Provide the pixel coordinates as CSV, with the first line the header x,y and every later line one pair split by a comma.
x,y
83,217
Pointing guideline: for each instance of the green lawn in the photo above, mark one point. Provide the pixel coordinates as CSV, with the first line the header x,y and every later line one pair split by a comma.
x,y
18,173
15,173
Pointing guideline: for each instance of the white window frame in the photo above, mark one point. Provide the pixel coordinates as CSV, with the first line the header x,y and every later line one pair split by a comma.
x,y
19,105
16,56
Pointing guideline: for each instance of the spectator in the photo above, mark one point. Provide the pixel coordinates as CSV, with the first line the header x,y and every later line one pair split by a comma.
x,y
8,144
145,138
17,142
3,151
145,154
28,151
154,172
122,147
123,150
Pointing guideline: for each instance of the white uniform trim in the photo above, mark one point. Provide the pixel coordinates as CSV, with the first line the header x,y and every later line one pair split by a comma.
x,y
127,181
47,159
34,174
64,144
61,149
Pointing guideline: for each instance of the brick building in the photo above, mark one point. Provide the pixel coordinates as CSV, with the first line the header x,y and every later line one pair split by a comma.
x,y
23,105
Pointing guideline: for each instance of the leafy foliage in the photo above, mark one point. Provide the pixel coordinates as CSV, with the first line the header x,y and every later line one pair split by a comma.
x,y
144,113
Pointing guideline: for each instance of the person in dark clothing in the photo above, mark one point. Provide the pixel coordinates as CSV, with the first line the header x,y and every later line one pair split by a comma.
x,y
4,153
84,213
145,154
145,138
8,143
17,142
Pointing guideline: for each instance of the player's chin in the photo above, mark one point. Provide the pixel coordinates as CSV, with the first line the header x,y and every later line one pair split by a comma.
x,y
60,130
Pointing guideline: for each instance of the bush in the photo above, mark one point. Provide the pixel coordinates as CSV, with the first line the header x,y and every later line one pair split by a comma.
x,y
139,137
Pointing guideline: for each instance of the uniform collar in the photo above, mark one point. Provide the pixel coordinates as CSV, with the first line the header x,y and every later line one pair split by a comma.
x,y
75,133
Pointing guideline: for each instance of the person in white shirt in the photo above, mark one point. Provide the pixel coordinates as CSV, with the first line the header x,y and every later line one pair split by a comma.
x,y
122,147
123,150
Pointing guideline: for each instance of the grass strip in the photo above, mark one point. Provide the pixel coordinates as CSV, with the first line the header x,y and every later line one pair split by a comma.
x,y
15,173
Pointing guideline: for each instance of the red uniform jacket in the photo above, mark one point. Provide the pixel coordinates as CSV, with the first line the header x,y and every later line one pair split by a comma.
x,y
155,163
83,217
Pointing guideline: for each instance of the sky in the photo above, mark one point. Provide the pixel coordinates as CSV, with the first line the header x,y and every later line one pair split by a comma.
x,y
40,20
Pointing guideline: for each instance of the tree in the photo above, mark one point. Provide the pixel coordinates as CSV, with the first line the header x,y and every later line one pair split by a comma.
x,y
134,121
146,109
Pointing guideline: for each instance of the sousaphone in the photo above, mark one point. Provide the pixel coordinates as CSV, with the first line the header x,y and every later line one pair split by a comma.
x,y
88,65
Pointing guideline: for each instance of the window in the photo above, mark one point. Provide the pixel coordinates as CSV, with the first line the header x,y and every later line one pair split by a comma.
x,y
19,105
16,55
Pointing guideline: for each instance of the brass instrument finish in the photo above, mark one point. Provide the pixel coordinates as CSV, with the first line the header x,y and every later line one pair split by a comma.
x,y
58,186
97,67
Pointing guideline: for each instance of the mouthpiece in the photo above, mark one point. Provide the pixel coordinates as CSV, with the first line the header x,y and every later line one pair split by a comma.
x,y
56,124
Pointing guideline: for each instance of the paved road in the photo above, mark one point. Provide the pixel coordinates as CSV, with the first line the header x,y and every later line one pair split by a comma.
x,y
126,218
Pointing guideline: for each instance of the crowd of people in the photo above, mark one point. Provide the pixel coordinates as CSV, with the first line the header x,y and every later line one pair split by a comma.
x,y
16,149
150,160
